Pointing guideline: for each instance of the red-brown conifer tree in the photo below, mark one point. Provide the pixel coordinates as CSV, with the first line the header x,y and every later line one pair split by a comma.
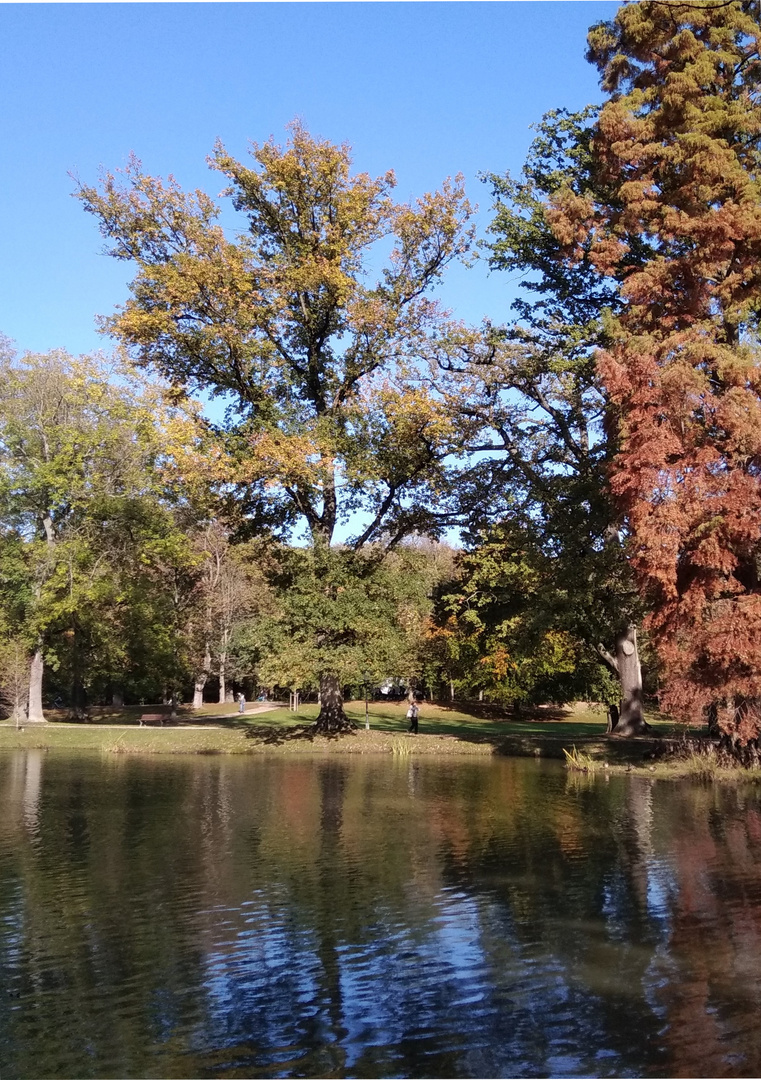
x,y
678,141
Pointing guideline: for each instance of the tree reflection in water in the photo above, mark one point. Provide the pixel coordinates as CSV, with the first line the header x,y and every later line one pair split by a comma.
x,y
319,917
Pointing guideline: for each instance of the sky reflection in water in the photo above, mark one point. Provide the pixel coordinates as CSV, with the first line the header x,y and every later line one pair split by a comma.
x,y
376,917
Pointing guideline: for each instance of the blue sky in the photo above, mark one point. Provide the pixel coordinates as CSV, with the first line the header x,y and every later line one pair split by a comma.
x,y
428,89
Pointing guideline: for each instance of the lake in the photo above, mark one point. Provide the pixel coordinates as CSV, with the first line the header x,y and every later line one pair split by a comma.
x,y
373,917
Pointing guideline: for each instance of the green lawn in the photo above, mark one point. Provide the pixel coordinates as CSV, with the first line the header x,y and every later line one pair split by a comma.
x,y
569,723
221,729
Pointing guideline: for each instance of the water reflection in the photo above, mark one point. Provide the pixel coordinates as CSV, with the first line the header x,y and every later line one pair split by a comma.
x,y
373,918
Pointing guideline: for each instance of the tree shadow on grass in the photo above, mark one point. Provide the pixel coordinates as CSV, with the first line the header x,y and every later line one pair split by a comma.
x,y
279,736
532,732
542,714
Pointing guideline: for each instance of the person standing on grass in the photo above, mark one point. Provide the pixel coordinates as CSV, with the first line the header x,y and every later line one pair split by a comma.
x,y
412,715
241,702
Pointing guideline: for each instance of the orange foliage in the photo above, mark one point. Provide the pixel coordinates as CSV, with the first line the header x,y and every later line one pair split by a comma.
x,y
677,143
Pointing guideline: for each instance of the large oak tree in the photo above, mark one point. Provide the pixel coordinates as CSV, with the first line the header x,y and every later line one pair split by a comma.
x,y
315,357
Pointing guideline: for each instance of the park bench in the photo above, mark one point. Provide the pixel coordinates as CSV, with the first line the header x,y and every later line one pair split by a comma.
x,y
151,718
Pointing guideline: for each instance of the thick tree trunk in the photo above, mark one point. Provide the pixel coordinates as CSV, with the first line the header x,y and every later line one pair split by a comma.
x,y
625,663
631,720
332,719
36,715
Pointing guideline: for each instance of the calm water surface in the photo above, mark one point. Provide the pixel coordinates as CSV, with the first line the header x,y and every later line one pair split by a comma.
x,y
384,917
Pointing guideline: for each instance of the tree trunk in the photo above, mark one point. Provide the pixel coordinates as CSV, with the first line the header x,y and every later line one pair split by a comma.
x,y
117,698
18,716
201,680
78,689
222,687
332,719
36,715
625,663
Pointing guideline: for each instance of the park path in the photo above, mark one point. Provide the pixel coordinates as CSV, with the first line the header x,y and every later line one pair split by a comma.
x,y
251,710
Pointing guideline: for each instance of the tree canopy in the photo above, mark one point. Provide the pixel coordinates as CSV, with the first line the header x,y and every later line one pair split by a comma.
x,y
678,142
91,534
327,415
315,358
599,448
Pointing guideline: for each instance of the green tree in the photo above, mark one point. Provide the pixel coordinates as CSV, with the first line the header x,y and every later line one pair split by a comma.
x,y
233,595
319,365
544,441
81,444
15,645
363,614
510,624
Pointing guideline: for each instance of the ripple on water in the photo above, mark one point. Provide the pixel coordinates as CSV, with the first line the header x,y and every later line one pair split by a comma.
x,y
292,919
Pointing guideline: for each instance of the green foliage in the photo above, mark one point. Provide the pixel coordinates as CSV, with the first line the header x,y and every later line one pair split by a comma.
x,y
92,552
351,614
571,295
548,562
510,627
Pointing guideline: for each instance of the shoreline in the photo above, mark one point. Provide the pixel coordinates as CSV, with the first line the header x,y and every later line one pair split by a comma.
x,y
596,755
184,739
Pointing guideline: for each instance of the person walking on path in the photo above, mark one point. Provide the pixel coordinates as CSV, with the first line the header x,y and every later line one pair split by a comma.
x,y
412,714
241,702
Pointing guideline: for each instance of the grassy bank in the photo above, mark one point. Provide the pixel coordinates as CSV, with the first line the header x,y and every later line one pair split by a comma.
x,y
676,766
271,729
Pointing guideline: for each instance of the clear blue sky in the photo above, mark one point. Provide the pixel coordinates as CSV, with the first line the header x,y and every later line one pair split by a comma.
x,y
428,89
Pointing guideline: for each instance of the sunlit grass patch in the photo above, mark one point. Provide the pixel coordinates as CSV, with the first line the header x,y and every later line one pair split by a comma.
x,y
443,729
